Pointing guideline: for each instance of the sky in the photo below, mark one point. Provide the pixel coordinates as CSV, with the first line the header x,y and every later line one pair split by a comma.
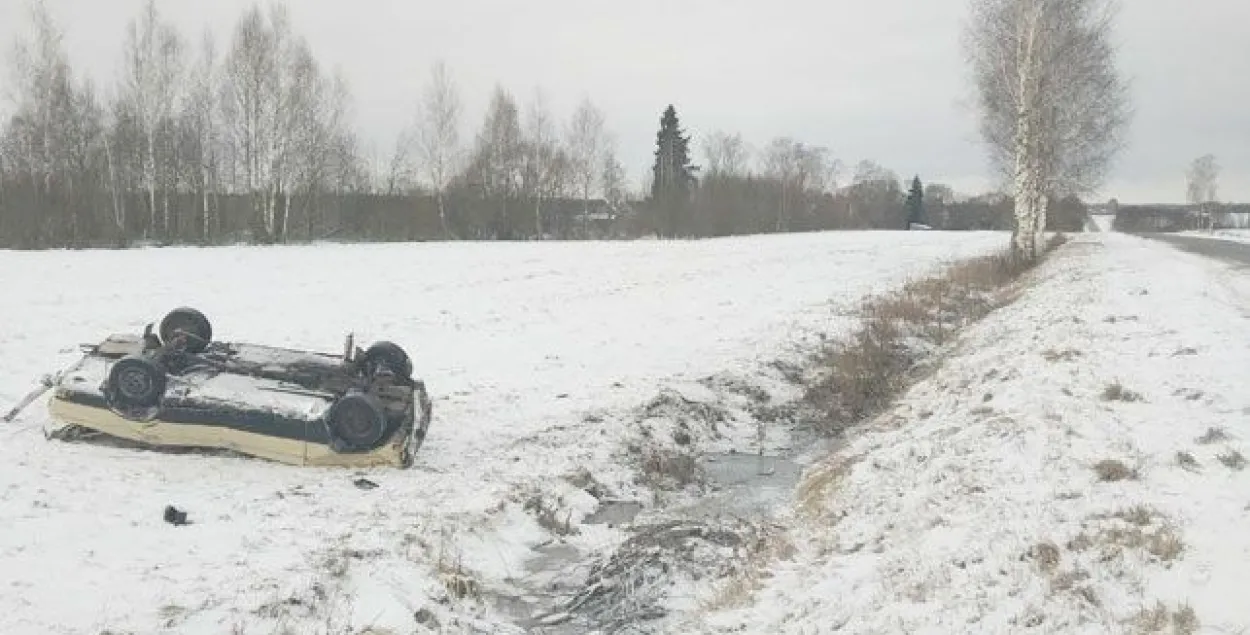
x,y
882,80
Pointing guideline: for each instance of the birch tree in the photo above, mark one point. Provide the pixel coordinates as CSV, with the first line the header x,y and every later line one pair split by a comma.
x,y
200,120
153,65
499,156
544,159
726,154
612,177
35,141
799,169
1201,187
438,135
1202,180
1053,106
585,140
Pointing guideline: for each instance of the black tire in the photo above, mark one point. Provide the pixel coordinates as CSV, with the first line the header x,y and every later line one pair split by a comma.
x,y
192,323
356,422
136,382
386,355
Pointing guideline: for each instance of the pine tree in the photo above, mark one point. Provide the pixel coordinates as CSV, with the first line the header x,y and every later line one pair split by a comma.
x,y
673,175
915,203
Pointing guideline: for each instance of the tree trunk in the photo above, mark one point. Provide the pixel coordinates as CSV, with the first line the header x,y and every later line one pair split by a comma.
x,y
150,173
538,217
442,216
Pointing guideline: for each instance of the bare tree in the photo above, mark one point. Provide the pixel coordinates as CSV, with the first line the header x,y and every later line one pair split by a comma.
x,y
200,119
612,177
438,135
499,156
544,159
726,154
36,143
585,138
153,65
1202,180
272,93
799,169
876,197
1053,106
1202,187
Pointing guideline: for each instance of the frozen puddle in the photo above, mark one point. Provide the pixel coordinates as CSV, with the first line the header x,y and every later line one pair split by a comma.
x,y
740,484
570,591
615,513
747,484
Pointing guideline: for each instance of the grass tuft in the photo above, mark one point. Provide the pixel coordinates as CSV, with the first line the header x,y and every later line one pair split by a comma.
x,y
1111,470
1116,391
1213,435
1233,460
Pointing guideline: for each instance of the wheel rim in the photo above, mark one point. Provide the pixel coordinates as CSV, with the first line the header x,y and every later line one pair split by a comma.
x,y
133,383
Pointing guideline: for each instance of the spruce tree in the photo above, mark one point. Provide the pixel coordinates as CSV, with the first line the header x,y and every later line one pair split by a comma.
x,y
673,175
915,203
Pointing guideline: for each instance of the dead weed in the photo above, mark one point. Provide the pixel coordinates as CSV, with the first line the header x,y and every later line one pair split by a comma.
x,y
1116,391
1112,470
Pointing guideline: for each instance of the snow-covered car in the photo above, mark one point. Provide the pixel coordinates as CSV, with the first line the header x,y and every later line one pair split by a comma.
x,y
180,388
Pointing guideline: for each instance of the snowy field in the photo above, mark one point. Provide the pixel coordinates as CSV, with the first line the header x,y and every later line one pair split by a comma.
x,y
1076,467
535,355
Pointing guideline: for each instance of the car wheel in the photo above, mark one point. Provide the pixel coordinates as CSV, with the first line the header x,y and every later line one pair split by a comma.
x,y
136,382
192,323
357,421
387,355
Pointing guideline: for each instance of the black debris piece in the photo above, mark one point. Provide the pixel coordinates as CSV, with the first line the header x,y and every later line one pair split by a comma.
x,y
175,516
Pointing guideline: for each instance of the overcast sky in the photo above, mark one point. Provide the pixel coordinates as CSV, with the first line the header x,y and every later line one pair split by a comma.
x,y
876,79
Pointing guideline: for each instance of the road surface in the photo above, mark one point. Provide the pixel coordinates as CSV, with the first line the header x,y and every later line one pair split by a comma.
x,y
1229,251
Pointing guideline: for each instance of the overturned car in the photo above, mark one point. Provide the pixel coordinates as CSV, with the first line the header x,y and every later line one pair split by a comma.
x,y
178,388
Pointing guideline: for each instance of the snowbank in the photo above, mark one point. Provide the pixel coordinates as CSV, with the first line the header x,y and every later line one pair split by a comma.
x,y
1074,467
536,354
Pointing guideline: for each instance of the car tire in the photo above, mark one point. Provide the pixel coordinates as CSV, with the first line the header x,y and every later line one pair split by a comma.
x,y
192,323
356,422
136,382
386,355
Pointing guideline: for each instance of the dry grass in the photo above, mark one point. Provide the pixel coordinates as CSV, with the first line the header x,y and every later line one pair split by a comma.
x,y
866,372
820,484
1187,461
666,469
1212,435
1140,515
1233,460
1046,554
1111,470
550,516
1163,543
1116,391
736,590
1065,355
1160,619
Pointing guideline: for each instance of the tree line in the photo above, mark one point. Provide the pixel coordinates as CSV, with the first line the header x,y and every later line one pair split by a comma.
x,y
253,143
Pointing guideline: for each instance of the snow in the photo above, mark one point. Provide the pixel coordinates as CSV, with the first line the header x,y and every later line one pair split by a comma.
x,y
210,387
536,356
1101,222
973,505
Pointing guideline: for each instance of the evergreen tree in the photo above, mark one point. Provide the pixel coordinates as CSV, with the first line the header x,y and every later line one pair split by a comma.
x,y
915,203
673,175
